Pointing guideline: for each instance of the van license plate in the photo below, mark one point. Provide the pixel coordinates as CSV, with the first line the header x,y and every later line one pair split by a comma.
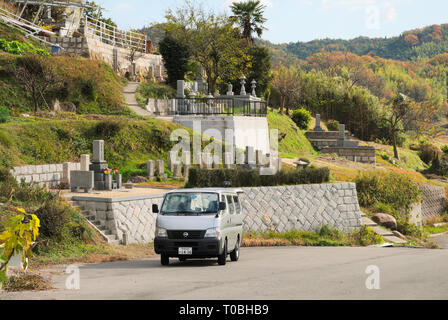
x,y
185,251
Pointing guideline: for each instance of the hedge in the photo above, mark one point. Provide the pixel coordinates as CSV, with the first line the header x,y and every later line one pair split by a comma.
x,y
202,178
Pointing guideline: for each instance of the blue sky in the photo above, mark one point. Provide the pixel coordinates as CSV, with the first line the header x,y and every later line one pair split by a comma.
x,y
303,20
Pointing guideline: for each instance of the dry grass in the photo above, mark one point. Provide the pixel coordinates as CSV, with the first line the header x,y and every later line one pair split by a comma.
x,y
27,281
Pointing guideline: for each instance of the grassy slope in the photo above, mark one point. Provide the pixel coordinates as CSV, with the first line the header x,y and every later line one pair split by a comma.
x,y
295,144
128,143
91,85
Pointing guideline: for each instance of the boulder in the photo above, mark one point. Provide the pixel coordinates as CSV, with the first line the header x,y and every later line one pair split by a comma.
x,y
385,220
399,235
137,179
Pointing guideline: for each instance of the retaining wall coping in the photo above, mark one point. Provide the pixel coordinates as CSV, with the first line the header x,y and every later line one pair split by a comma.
x,y
120,199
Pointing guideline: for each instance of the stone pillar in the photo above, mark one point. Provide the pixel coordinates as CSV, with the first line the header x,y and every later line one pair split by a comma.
x,y
318,127
207,160
85,162
250,156
150,167
279,164
260,158
108,182
341,138
161,169
119,178
180,89
228,160
186,172
172,159
66,172
240,157
186,158
177,171
98,151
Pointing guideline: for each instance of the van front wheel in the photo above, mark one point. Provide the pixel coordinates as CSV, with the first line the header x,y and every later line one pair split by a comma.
x,y
164,259
235,254
223,257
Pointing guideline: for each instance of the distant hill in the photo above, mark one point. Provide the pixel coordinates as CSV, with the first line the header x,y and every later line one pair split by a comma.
x,y
413,45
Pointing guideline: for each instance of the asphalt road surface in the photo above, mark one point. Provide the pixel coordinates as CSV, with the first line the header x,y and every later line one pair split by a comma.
x,y
290,273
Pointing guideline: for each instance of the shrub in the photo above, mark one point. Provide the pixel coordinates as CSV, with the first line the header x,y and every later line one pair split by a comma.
x,y
333,125
54,216
153,90
367,237
428,153
302,118
445,149
391,188
201,178
4,114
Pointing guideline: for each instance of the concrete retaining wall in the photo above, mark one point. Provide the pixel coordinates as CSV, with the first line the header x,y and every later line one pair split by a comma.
x,y
307,207
433,203
49,175
248,131
95,49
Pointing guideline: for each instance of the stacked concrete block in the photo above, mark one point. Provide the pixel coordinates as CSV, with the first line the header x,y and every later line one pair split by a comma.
x,y
49,175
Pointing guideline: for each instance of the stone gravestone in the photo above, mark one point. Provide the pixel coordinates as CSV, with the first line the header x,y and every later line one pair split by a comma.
x,y
341,138
150,168
85,162
228,160
177,171
66,172
98,165
250,157
318,127
180,89
161,169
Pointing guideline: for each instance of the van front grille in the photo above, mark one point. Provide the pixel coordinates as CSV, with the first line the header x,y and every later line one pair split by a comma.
x,y
186,235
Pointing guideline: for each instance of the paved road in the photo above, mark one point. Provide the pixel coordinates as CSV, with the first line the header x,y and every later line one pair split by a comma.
x,y
266,273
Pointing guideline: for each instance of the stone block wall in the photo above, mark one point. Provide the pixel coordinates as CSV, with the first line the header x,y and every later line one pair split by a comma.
x,y
360,154
127,218
433,202
49,175
306,207
72,45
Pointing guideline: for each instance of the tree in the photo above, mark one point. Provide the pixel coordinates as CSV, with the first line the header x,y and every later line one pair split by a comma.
x,y
397,118
212,42
287,83
260,70
36,74
249,16
176,56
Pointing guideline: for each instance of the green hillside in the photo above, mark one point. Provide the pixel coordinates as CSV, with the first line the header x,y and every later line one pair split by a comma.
x,y
413,45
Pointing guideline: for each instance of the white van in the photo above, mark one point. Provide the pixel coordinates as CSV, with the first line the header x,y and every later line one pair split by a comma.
x,y
199,223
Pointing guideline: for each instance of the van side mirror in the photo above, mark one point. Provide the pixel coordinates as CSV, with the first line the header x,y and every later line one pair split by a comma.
x,y
222,206
155,208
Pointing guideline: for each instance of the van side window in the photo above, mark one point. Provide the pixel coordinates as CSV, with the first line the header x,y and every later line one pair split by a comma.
x,y
230,205
236,200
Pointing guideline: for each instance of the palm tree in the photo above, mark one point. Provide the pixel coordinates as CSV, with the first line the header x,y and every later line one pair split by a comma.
x,y
249,15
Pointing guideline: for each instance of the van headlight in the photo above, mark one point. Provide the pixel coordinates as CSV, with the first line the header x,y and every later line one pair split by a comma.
x,y
212,233
161,233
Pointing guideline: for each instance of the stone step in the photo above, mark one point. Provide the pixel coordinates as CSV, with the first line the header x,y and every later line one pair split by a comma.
x,y
394,239
367,222
383,232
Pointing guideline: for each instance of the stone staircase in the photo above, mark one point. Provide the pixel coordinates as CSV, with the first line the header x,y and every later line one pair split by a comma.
x,y
386,234
98,224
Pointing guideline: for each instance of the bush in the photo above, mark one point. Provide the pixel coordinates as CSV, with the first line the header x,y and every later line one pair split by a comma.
x,y
428,153
201,178
302,118
4,114
391,188
54,216
154,90
333,125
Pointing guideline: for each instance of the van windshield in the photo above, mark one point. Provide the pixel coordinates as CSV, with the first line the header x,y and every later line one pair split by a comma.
x,y
194,203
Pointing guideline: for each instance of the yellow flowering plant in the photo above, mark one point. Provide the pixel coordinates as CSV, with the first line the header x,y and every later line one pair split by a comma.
x,y
20,233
